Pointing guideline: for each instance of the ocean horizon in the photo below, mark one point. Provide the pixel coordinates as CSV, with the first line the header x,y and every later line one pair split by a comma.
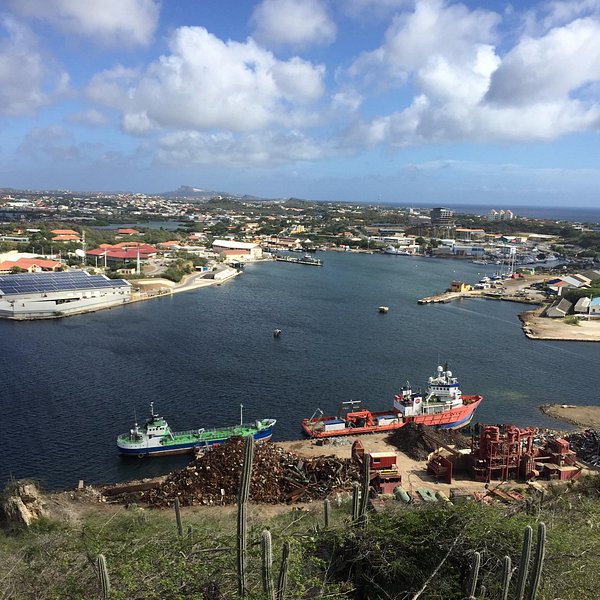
x,y
577,214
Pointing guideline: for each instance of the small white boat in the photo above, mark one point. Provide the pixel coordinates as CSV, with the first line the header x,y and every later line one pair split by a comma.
x,y
383,309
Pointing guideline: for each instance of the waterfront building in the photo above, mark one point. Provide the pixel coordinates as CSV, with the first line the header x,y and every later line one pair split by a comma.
x,y
559,308
460,250
460,286
245,250
466,234
45,295
582,305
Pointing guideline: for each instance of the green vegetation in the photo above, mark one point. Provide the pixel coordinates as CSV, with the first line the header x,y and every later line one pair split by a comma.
x,y
571,320
572,295
396,554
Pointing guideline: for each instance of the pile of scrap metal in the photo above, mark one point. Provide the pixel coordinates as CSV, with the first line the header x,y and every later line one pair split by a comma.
x,y
508,452
587,445
277,476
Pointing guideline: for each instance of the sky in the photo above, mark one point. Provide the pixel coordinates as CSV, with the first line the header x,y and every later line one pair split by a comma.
x,y
391,101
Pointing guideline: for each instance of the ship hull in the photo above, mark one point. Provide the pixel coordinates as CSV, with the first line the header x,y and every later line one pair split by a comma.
x,y
454,418
142,451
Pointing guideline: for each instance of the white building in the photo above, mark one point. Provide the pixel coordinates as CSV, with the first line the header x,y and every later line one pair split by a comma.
x,y
500,215
47,295
233,250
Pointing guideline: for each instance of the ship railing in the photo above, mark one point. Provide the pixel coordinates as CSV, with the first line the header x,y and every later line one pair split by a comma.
x,y
193,431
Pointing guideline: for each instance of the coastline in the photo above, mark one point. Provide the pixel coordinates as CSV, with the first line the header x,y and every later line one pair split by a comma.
x,y
583,417
534,326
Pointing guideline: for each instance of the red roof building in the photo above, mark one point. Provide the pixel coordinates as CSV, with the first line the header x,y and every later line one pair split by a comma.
x,y
31,265
66,237
64,232
126,231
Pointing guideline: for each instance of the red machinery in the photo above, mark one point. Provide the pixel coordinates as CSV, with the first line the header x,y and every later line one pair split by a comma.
x,y
509,453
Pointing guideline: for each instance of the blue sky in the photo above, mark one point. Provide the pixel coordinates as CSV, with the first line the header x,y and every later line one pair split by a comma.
x,y
352,100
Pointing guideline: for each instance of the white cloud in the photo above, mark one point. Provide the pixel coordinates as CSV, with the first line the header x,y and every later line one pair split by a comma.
x,y
549,67
127,22
295,23
543,88
28,81
229,149
434,30
205,83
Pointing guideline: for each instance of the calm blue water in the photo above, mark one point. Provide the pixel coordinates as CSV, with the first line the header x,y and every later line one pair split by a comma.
x,y
70,386
579,214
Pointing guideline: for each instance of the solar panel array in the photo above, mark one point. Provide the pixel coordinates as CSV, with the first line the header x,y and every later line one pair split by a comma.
x,y
30,283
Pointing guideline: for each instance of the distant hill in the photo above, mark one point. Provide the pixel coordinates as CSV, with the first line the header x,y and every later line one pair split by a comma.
x,y
200,194
188,191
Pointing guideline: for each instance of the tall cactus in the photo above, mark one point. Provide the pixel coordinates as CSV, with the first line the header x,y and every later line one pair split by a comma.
x,y
538,562
283,571
524,564
355,501
475,565
366,480
242,525
267,565
506,575
103,578
178,518
327,512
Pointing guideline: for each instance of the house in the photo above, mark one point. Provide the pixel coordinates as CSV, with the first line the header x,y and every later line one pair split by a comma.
x,y
65,232
460,286
66,237
127,231
595,307
558,309
31,265
582,305
170,245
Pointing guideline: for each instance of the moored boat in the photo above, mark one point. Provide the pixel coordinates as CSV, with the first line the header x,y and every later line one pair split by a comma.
x,y
155,437
442,405
307,259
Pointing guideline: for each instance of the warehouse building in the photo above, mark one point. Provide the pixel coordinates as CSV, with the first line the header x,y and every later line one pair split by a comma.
x,y
241,251
47,295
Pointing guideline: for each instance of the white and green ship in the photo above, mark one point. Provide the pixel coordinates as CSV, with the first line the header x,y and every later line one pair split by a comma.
x,y
155,437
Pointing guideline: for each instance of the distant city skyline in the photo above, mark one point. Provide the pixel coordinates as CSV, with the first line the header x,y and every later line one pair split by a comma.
x,y
371,101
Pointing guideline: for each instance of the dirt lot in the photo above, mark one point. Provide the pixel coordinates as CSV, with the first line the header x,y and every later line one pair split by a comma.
x,y
543,328
414,473
587,417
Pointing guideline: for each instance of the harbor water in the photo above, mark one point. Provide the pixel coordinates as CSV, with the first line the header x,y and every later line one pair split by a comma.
x,y
70,386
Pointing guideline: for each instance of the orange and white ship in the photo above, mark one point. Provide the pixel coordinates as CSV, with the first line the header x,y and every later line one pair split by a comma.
x,y
442,405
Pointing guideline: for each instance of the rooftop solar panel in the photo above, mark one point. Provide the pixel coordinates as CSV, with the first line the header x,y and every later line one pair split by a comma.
x,y
28,283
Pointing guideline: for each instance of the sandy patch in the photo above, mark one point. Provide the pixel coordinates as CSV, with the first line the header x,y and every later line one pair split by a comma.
x,y
587,417
414,472
543,328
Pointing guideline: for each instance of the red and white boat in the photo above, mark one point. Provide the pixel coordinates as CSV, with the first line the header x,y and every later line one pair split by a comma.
x,y
442,405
